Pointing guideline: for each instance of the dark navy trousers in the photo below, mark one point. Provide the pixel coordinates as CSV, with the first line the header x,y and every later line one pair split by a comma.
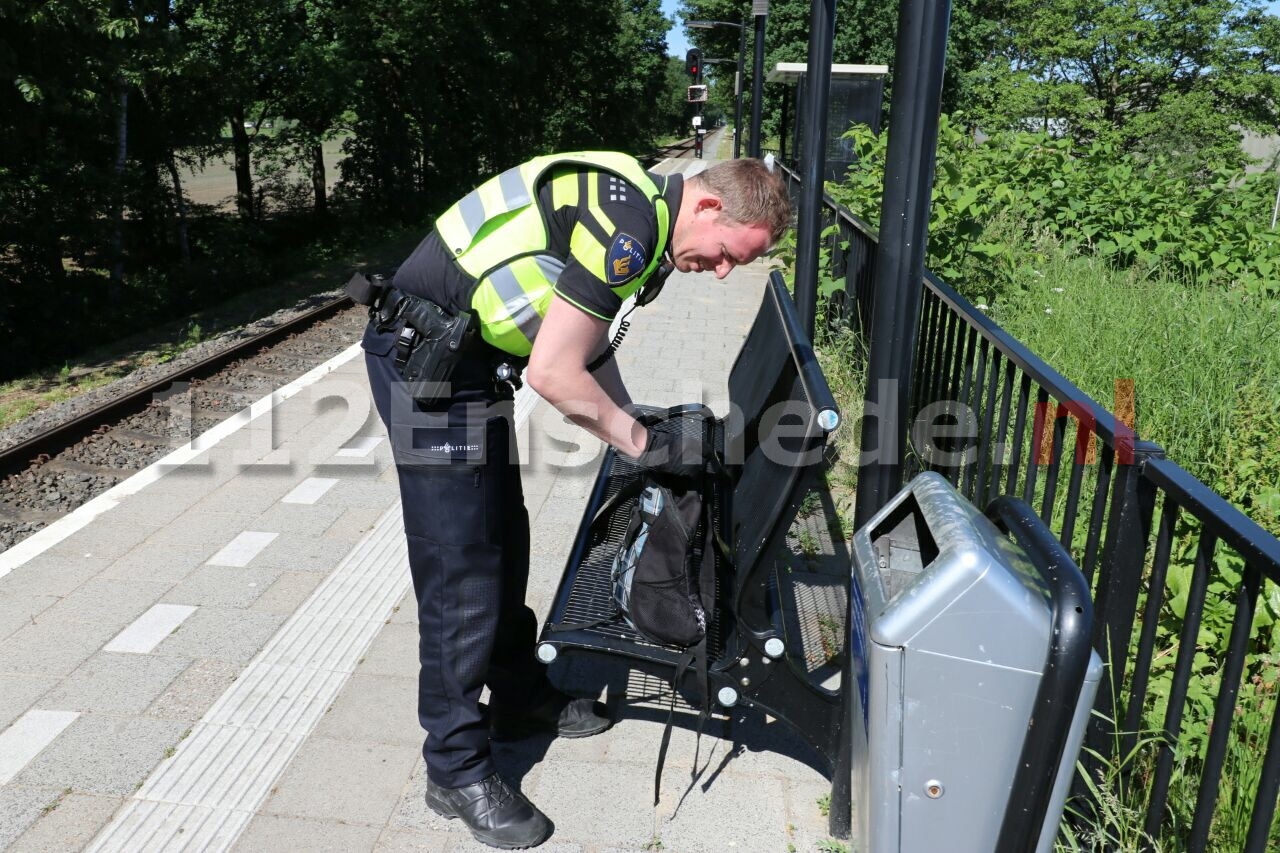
x,y
468,537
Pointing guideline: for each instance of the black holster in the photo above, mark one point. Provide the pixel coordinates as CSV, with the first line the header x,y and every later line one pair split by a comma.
x,y
430,346
431,341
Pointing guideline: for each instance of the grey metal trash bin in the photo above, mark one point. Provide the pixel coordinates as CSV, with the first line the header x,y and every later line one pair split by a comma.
x,y
951,623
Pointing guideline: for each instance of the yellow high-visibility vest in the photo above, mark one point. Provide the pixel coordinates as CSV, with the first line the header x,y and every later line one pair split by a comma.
x,y
498,236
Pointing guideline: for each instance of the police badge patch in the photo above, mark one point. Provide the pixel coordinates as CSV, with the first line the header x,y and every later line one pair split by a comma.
x,y
626,260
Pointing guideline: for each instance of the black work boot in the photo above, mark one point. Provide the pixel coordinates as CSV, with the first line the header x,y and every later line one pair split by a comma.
x,y
496,813
557,713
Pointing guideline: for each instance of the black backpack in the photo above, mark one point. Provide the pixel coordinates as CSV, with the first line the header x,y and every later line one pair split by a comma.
x,y
659,587
664,578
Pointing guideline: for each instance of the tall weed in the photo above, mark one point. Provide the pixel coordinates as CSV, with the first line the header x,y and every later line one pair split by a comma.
x,y
1205,362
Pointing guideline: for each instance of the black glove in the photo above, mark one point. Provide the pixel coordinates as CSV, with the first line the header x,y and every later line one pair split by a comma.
x,y
646,419
677,454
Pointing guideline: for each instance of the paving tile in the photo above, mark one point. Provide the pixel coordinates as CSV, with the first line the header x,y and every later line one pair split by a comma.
x,y
288,592
354,522
715,814
114,683
201,525
405,840
48,647
19,692
766,746
393,652
411,812
112,602
103,755
310,491
577,793
223,586
635,739
143,634
152,508
364,792
19,610
257,489
374,708
297,835
241,549
21,806
170,563
298,519
234,636
294,552
104,541
194,691
30,734
197,477
70,825
50,574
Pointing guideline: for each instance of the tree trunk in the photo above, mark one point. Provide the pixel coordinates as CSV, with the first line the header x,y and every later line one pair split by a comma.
x,y
318,180
122,153
50,254
180,211
244,177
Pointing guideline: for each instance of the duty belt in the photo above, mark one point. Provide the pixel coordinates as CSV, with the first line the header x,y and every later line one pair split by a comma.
x,y
387,305
384,301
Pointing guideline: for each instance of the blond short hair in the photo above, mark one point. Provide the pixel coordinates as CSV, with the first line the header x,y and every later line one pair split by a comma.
x,y
749,194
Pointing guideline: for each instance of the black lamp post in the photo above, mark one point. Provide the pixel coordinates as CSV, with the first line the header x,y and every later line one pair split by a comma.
x,y
737,85
759,11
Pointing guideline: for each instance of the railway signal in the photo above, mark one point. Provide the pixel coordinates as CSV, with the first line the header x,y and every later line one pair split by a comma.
x,y
693,63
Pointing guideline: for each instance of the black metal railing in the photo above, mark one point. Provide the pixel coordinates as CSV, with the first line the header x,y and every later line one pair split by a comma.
x,y
1134,522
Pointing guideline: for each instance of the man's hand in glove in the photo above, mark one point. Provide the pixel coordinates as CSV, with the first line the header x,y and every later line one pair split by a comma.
x,y
678,455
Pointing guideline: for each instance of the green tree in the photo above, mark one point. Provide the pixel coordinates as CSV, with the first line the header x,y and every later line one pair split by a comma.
x,y
313,94
1170,77
238,52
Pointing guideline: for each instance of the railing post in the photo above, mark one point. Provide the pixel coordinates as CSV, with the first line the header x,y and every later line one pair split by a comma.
x,y
1133,501
918,64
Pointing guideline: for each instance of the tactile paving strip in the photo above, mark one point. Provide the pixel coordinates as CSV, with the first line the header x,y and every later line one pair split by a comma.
x,y
204,795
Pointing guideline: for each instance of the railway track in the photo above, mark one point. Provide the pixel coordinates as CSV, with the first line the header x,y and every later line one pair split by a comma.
x,y
55,467
59,468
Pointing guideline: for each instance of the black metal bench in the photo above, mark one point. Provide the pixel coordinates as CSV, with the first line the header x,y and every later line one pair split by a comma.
x,y
781,412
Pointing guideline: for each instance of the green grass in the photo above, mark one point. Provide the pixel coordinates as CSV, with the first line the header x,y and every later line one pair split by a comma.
x,y
1205,361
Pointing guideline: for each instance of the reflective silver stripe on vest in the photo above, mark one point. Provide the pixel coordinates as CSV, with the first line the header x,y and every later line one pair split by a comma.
x,y
551,267
516,302
472,209
514,192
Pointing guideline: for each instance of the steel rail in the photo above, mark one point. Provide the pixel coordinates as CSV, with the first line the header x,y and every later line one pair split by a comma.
x,y
58,438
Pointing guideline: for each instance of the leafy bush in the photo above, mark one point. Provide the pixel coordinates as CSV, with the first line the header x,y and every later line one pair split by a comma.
x,y
1209,226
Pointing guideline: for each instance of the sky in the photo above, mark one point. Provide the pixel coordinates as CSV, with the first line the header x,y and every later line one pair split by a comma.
x,y
677,44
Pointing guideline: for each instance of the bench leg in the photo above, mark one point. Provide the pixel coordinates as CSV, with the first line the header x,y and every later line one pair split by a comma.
x,y
840,811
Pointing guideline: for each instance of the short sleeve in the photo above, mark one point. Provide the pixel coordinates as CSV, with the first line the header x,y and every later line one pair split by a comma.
x,y
610,246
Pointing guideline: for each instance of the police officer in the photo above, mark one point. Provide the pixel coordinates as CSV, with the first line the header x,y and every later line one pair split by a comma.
x,y
525,273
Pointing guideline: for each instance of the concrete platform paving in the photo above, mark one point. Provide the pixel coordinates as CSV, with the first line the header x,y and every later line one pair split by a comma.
x,y
272,706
